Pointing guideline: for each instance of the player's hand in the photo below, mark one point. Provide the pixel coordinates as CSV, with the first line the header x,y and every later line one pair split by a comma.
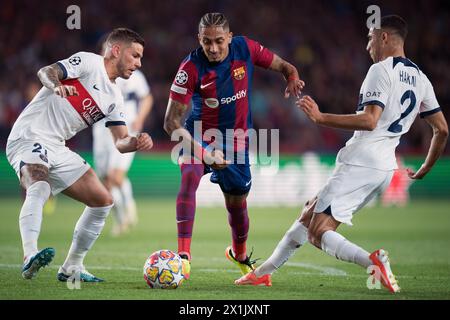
x,y
310,107
144,142
216,160
65,91
419,174
294,88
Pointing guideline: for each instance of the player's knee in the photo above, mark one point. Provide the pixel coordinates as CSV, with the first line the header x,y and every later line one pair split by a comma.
x,y
190,173
39,189
305,218
190,180
115,178
107,200
311,238
235,203
102,200
315,236
117,181
187,190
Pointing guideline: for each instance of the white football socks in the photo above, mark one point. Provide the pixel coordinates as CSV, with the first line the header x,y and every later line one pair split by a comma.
x,y
295,237
337,246
119,206
127,192
30,218
128,201
87,230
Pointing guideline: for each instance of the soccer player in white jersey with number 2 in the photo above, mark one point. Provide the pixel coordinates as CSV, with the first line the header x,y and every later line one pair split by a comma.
x,y
77,92
394,91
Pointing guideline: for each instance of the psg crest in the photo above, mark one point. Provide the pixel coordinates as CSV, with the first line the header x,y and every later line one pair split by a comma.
x,y
239,73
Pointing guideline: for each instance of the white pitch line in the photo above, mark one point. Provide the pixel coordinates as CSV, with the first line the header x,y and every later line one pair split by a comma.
x,y
324,270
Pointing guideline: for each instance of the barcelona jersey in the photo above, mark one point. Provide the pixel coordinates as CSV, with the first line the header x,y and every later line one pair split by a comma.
x,y
220,92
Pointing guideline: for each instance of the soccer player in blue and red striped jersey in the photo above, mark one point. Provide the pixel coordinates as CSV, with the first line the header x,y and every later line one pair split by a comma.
x,y
217,77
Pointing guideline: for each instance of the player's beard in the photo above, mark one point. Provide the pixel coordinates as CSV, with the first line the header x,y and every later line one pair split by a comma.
x,y
122,70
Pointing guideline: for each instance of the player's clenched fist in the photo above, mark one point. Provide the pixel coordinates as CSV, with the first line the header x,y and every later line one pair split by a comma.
x,y
65,91
144,142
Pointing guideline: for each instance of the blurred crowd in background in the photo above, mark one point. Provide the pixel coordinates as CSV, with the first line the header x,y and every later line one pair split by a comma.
x,y
326,40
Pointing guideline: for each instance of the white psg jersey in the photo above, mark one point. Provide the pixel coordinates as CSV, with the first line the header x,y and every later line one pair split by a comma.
x,y
55,119
398,86
133,90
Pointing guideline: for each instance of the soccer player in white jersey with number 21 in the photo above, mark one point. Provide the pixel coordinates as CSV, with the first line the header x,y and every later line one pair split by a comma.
x,y
77,92
394,91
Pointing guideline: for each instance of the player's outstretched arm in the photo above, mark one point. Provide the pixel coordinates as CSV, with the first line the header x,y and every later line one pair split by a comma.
x,y
172,123
126,143
365,120
51,76
437,146
294,83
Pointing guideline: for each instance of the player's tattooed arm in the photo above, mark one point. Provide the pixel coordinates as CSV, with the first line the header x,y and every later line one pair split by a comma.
x,y
172,125
438,142
126,143
294,83
51,76
174,115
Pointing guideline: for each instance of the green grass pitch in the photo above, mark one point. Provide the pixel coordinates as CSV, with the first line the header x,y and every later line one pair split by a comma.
x,y
417,238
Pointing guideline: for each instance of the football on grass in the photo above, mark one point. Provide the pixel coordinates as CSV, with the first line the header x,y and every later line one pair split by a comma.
x,y
163,269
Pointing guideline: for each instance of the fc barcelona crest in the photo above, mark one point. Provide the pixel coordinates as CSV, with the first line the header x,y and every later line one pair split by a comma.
x,y
239,73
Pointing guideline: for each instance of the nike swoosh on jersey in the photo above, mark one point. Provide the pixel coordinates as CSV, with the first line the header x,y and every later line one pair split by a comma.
x,y
95,87
203,86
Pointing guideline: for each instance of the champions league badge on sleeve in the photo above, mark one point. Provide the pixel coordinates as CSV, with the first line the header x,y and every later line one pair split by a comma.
x,y
75,60
181,77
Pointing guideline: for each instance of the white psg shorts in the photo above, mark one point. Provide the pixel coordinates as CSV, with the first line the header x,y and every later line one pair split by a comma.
x,y
350,188
65,167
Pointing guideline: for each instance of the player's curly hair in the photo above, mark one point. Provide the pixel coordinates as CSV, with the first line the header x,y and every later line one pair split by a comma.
x,y
125,35
214,19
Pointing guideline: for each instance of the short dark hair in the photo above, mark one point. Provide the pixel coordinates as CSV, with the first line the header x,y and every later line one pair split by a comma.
x,y
214,19
396,24
125,35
